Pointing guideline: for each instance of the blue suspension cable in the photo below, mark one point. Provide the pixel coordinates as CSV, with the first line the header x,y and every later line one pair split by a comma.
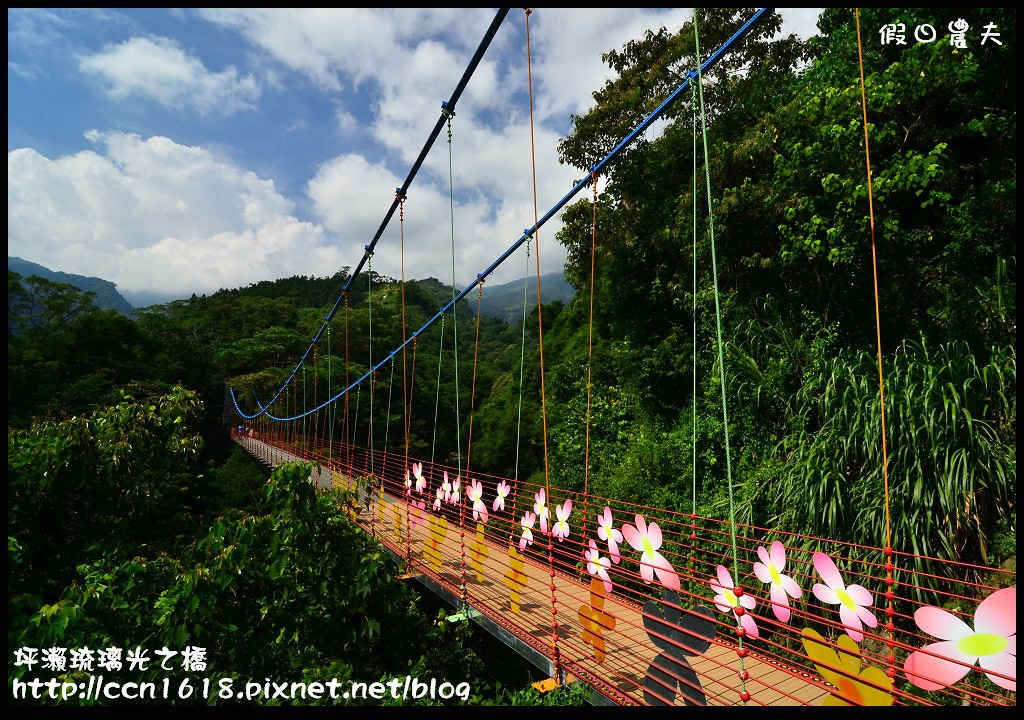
x,y
528,233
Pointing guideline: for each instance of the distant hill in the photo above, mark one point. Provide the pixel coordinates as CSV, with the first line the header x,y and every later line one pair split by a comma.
x,y
506,300
107,296
499,300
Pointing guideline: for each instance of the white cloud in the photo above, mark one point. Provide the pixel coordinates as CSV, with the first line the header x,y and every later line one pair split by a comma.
x,y
158,69
156,217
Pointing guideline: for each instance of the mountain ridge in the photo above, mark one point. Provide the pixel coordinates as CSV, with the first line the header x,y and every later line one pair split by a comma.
x,y
107,296
505,300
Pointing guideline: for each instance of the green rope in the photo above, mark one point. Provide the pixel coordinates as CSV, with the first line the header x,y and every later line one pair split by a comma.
x,y
387,418
693,425
437,398
369,309
332,410
718,324
355,420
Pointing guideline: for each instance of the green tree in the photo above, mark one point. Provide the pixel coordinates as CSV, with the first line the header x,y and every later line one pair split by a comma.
x,y
81,486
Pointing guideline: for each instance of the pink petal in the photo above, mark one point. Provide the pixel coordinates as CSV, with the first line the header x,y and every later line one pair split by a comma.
x,y
780,603
825,594
613,550
654,535
851,620
778,556
646,571
997,613
867,617
722,604
748,624
860,595
724,577
761,571
666,574
1004,663
763,554
633,536
748,601
940,623
791,587
828,570
929,668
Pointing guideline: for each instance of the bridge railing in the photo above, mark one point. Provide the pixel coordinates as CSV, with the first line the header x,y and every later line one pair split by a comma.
x,y
696,610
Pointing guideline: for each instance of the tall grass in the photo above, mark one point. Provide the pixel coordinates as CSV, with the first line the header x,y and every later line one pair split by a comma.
x,y
951,426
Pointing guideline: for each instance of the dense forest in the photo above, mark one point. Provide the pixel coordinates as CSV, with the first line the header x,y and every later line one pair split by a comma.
x,y
134,521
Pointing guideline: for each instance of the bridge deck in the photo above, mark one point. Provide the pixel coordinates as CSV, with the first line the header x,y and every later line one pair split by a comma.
x,y
629,651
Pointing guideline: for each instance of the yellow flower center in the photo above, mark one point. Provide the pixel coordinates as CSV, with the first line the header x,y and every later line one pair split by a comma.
x,y
982,644
776,578
730,597
648,547
845,599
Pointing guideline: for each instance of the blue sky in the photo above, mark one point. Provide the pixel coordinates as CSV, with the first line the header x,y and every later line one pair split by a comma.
x,y
180,151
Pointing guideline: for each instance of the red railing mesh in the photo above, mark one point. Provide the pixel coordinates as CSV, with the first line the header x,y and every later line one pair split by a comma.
x,y
679,653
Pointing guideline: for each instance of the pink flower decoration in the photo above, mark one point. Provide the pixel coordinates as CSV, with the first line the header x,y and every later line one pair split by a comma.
x,y
853,600
455,497
726,600
421,482
408,483
542,510
647,539
503,490
446,487
597,565
561,527
608,532
992,644
527,522
440,497
769,570
476,494
417,511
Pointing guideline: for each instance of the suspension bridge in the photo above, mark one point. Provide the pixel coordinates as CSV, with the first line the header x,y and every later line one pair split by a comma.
x,y
648,606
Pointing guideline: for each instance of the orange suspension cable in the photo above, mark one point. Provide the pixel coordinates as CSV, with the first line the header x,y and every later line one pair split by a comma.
x,y
316,415
540,338
590,359
889,581
405,397
295,412
348,442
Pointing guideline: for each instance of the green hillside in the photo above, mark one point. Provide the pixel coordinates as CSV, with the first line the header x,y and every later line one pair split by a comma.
x,y
107,296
